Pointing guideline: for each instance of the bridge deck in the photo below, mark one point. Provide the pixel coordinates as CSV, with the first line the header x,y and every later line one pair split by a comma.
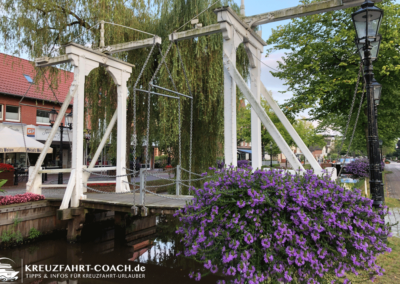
x,y
124,202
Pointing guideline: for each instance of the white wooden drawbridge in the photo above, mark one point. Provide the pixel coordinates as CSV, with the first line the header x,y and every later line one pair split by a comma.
x,y
236,30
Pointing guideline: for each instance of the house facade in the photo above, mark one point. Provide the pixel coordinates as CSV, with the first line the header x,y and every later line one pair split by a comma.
x,y
25,104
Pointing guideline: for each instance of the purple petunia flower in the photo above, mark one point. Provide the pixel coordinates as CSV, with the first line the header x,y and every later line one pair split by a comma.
x,y
241,203
248,238
286,221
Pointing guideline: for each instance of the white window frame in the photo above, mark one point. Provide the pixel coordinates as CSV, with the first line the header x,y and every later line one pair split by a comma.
x,y
42,123
2,111
19,113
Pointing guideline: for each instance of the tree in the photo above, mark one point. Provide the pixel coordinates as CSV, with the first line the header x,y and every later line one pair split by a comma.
x,y
243,123
308,133
321,68
306,130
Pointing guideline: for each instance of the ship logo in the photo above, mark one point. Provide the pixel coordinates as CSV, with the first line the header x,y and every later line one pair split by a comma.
x,y
7,274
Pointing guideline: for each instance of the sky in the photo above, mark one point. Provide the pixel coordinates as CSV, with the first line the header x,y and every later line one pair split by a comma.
x,y
253,7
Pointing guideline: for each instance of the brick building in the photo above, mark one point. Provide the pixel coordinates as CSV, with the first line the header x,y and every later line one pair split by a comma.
x,y
24,107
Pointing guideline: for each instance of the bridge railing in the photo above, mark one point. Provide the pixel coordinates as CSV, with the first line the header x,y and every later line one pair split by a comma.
x,y
142,187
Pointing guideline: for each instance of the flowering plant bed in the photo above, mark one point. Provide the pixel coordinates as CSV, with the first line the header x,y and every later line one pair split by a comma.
x,y
273,226
242,163
6,168
20,198
360,167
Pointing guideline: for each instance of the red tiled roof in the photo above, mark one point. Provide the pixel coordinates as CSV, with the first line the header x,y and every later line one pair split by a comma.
x,y
13,82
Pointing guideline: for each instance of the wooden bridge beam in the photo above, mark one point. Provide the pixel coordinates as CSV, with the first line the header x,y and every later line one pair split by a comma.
x,y
302,10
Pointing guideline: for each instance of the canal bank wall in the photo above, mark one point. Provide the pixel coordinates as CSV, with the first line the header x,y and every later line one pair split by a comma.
x,y
25,221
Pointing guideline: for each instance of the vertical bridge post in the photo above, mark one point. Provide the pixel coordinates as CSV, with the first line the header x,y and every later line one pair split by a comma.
x,y
178,179
142,192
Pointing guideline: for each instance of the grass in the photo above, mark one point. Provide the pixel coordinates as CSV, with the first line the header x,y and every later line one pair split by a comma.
x,y
389,261
161,182
392,203
268,166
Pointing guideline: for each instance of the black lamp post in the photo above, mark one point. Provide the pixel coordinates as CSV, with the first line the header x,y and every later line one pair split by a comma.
x,y
367,21
68,121
381,146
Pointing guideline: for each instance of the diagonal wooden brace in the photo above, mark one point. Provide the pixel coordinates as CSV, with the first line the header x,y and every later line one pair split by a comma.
x,y
269,125
292,132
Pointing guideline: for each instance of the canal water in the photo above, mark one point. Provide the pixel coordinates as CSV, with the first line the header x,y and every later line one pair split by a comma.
x,y
106,254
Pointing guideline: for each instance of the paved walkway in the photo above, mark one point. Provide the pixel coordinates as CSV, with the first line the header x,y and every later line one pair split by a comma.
x,y
392,189
392,181
393,218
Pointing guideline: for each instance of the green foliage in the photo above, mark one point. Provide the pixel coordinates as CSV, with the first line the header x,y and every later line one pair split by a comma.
x,y
334,156
162,157
2,182
321,63
33,233
6,236
16,221
12,235
308,133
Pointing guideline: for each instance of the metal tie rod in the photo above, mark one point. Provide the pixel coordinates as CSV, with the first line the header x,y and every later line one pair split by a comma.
x,y
171,91
154,93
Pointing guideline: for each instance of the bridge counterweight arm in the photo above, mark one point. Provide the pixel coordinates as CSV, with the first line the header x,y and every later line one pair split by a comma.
x,y
301,11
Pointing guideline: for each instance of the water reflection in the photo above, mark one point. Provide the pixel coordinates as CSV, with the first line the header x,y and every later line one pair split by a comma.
x,y
138,246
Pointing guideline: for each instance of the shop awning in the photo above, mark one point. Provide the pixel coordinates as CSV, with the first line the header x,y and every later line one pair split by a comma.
x,y
244,151
13,142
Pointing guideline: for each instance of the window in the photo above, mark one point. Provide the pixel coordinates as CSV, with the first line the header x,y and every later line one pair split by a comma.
x,y
1,112
12,113
42,117
28,78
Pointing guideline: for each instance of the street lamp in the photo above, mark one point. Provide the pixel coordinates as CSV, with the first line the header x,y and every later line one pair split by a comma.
x,y
367,21
375,44
68,120
377,91
53,114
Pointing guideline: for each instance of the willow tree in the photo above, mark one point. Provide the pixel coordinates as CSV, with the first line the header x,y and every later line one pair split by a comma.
x,y
202,60
40,28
